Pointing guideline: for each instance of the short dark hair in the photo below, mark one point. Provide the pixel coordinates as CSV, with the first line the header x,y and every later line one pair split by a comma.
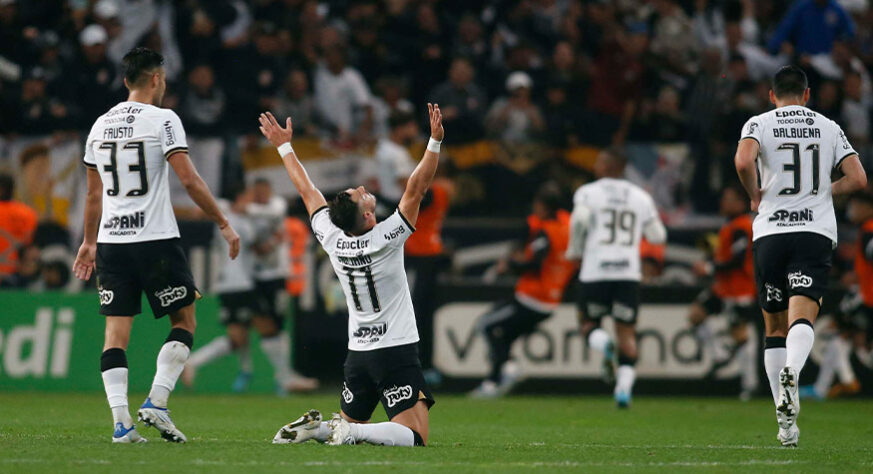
x,y
550,196
400,118
617,157
344,212
790,81
7,187
138,62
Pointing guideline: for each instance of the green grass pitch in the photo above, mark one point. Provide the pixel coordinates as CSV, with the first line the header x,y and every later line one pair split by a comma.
x,y
70,433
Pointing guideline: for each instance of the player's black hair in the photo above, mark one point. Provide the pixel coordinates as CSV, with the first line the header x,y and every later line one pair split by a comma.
x,y
550,196
617,157
344,212
400,118
790,81
138,62
7,187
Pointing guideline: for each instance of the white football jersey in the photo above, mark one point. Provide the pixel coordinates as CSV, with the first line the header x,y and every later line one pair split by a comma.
x,y
129,145
618,212
798,150
235,275
371,272
268,220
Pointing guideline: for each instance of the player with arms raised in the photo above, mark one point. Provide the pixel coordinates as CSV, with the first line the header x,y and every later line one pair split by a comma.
x,y
128,155
784,159
382,362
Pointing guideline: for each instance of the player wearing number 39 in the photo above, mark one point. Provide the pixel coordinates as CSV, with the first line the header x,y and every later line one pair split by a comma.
x,y
784,159
132,240
382,362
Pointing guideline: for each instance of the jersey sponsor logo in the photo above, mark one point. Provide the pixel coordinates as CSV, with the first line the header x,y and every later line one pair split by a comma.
x,y
796,133
790,121
114,120
352,244
169,295
795,113
348,396
130,109
170,135
106,296
116,133
395,394
785,218
374,332
615,264
359,261
798,280
125,225
395,233
773,293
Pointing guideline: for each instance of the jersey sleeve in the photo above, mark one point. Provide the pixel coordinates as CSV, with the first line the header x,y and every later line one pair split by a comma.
x,y
322,227
89,160
172,135
842,148
394,230
753,129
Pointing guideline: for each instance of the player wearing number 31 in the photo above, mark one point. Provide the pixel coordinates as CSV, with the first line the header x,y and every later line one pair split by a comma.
x,y
132,240
784,159
382,362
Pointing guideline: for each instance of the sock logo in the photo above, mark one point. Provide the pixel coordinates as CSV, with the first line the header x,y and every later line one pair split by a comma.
x,y
396,394
797,279
169,295
348,396
106,296
773,293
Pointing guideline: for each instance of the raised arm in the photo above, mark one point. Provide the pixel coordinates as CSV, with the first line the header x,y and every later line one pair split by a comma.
x,y
281,139
84,264
420,179
747,153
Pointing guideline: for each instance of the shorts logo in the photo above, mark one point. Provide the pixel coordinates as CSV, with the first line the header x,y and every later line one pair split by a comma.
x,y
395,394
170,295
798,279
773,293
106,296
347,394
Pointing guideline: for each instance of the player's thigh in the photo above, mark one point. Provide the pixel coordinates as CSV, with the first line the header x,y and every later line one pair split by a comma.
x,y
625,301
593,302
497,317
236,308
359,395
808,274
271,300
166,277
523,321
771,257
706,303
118,285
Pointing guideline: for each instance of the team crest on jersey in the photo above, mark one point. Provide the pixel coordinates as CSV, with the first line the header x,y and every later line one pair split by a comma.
x,y
798,279
773,293
348,396
106,296
395,394
170,295
752,127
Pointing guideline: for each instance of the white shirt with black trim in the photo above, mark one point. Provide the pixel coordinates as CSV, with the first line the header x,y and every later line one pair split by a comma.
x,y
130,145
269,220
798,150
371,272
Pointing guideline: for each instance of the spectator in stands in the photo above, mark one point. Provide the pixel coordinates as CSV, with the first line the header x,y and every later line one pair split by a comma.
x,y
560,115
342,97
295,100
27,271
856,111
462,102
515,118
469,42
204,102
17,223
671,34
811,26
393,160
392,99
96,84
661,121
37,112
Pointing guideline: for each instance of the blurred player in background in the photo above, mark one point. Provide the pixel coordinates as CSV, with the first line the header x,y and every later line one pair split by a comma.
x,y
543,276
132,239
393,161
382,362
267,213
235,288
732,293
610,217
785,158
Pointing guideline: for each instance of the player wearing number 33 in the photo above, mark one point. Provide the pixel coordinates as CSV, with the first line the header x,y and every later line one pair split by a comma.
x,y
382,362
784,159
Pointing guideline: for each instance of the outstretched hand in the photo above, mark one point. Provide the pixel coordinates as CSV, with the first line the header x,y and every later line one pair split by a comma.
x,y
436,122
84,264
273,131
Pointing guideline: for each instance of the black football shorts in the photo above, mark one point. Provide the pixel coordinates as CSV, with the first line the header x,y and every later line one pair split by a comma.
x,y
790,264
236,307
391,375
158,268
618,299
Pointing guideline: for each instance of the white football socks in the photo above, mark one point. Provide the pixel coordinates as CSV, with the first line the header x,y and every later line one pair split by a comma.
x,y
827,368
322,432
774,362
599,339
384,434
218,347
746,357
798,344
115,384
245,358
624,379
171,361
278,352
